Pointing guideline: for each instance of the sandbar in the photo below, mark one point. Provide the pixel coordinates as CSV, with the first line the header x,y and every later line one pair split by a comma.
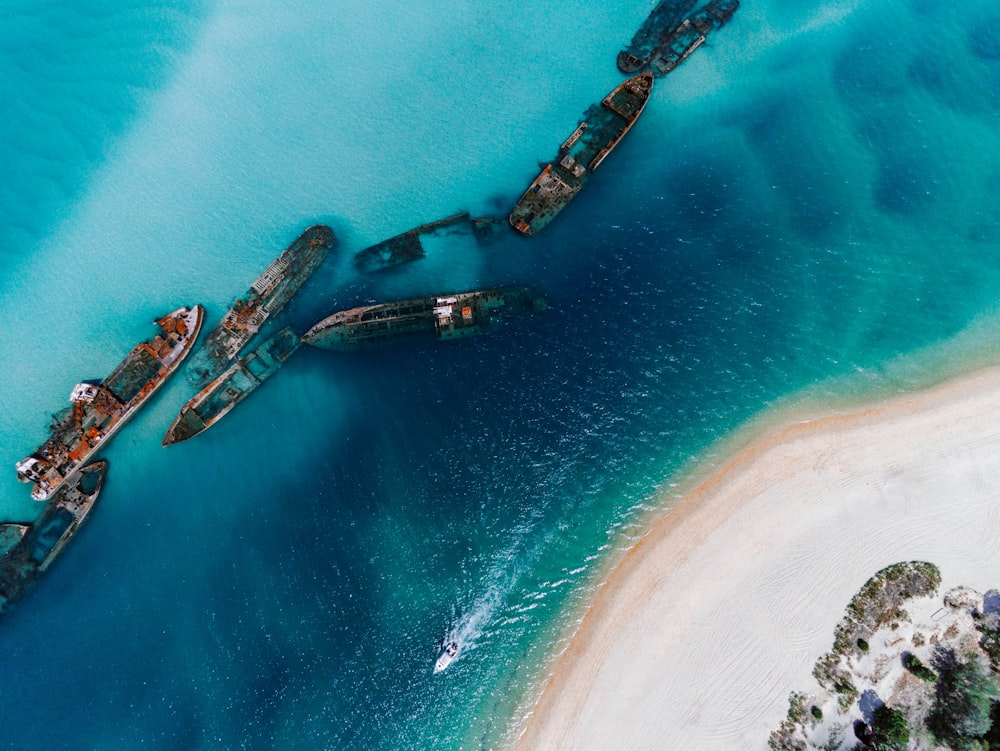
x,y
700,632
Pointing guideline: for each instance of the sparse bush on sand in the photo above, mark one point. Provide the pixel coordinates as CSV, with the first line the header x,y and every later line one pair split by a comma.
x,y
786,737
958,706
836,679
879,603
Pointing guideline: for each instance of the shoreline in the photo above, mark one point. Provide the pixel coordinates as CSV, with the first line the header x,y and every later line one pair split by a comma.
x,y
867,475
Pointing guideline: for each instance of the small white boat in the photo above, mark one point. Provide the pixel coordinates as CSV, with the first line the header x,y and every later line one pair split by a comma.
x,y
447,656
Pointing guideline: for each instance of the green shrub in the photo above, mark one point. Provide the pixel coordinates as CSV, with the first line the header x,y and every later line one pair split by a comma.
x,y
912,663
991,645
796,706
847,694
963,699
862,645
889,729
926,674
817,712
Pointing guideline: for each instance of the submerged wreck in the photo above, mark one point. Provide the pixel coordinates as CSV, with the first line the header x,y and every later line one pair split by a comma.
x,y
661,22
29,549
266,297
667,38
600,131
235,384
407,246
446,316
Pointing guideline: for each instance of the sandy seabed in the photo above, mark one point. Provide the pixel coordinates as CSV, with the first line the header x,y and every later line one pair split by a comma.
x,y
700,633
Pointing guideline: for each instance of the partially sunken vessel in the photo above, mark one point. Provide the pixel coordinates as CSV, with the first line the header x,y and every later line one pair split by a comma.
x,y
100,408
446,316
662,21
602,128
674,41
235,384
408,246
29,549
267,296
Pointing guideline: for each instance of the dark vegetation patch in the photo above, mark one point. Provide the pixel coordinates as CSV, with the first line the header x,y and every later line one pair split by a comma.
x,y
880,602
960,716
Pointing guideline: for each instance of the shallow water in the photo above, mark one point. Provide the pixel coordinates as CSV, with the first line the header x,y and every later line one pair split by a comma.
x,y
806,204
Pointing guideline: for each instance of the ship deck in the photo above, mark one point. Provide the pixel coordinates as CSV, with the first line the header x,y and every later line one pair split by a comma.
x,y
690,35
447,316
98,412
42,541
132,376
280,281
232,386
603,126
659,24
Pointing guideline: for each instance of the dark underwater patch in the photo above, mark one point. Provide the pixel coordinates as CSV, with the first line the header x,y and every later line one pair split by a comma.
x,y
901,186
962,84
984,39
986,227
943,82
809,158
865,71
885,108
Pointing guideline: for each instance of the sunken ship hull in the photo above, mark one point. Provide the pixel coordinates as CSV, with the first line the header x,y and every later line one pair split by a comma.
x,y
601,130
266,297
662,21
39,543
445,316
235,384
408,246
98,410
676,41
405,247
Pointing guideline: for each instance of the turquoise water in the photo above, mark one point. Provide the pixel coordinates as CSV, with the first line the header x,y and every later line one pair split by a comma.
x,y
807,204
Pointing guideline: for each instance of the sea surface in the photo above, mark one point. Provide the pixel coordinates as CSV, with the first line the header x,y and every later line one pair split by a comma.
x,y
806,214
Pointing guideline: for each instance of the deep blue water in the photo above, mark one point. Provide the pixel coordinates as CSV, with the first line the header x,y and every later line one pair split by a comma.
x,y
806,211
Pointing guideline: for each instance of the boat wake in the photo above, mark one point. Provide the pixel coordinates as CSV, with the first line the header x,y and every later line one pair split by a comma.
x,y
498,606
499,582
469,627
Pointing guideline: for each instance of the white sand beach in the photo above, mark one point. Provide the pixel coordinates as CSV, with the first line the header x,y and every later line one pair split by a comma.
x,y
700,633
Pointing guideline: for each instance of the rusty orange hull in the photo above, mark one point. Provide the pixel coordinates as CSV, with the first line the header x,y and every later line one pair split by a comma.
x,y
99,410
